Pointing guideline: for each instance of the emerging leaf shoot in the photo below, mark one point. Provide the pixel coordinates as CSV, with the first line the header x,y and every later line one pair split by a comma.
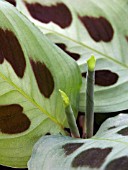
x,y
91,63
65,98
70,115
89,113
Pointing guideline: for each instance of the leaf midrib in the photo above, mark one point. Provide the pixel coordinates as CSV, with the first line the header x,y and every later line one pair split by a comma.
x,y
32,101
86,46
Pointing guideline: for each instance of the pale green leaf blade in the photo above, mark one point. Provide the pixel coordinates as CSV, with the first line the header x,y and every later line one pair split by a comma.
x,y
108,149
108,42
32,70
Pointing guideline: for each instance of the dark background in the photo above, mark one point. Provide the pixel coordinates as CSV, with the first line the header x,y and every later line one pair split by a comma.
x,y
7,168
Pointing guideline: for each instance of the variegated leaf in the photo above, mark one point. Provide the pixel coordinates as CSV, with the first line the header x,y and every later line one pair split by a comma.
x,y
84,27
32,70
107,150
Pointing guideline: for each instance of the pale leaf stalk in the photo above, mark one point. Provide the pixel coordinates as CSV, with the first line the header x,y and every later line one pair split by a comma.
x,y
70,116
89,111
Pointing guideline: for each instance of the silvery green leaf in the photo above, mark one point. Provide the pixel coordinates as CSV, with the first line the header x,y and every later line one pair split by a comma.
x,y
86,27
106,150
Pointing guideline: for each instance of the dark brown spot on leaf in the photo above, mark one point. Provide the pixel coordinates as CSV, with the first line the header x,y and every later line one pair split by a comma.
x,y
75,56
13,120
93,158
71,147
13,2
99,29
43,77
118,164
123,132
59,13
113,127
126,38
104,77
11,50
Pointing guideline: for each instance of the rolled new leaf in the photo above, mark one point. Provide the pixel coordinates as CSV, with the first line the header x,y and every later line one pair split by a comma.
x,y
89,112
70,115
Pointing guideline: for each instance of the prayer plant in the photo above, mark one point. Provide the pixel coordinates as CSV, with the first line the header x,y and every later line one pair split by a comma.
x,y
47,77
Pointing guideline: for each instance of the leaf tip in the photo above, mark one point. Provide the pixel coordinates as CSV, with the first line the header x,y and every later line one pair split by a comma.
x,y
65,98
91,62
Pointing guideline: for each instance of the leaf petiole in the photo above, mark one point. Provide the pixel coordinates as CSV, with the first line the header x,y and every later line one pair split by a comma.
x,y
89,112
70,116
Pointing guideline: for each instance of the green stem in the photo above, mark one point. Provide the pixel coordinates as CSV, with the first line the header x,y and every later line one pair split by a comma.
x,y
72,122
70,115
89,118
89,112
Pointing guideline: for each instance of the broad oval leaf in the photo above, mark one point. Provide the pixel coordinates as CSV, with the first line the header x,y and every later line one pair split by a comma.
x,y
32,70
107,150
91,27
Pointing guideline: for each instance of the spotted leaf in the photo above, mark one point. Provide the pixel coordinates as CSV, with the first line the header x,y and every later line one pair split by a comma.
x,y
107,150
98,28
32,70
13,2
